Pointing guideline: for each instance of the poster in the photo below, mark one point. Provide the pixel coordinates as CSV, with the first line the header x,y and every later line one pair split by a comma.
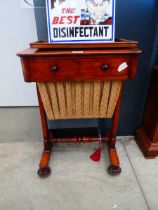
x,y
80,21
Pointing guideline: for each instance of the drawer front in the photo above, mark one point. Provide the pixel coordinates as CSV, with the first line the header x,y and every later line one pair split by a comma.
x,y
104,67
44,69
48,69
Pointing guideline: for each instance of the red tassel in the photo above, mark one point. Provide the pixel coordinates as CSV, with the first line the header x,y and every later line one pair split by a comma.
x,y
96,155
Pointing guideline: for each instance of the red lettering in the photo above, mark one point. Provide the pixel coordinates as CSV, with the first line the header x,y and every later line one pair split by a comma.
x,y
63,10
62,19
65,20
73,10
69,18
55,20
76,18
68,10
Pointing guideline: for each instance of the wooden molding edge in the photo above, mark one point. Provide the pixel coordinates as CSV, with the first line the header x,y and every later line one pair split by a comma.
x,y
149,149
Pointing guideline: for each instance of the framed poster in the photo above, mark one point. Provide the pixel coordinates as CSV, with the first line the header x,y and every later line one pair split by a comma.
x,y
80,21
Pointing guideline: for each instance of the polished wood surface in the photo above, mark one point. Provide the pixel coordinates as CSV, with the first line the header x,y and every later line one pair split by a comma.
x,y
44,169
123,43
83,139
75,52
81,65
40,69
114,167
147,134
79,62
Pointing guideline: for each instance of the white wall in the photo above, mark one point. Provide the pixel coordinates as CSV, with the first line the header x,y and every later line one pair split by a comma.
x,y
17,30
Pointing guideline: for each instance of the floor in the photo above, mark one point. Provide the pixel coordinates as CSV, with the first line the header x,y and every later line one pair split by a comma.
x,y
76,183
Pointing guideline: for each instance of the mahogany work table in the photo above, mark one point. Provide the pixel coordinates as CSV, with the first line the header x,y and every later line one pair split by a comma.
x,y
76,81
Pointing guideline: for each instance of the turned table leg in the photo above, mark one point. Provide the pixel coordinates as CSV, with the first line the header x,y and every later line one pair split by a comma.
x,y
44,169
114,167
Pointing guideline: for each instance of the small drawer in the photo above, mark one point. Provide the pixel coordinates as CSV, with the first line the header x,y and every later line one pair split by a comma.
x,y
104,67
50,69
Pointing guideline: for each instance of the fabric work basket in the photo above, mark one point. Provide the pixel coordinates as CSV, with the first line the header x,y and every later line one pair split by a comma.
x,y
76,100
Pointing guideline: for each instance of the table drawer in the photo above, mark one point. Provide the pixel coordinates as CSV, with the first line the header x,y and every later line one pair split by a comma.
x,y
104,67
48,69
54,69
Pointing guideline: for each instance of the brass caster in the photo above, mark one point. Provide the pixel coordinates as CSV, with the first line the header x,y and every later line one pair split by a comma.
x,y
114,170
44,172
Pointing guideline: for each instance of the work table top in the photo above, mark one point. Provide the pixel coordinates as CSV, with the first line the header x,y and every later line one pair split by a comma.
x,y
50,52
43,48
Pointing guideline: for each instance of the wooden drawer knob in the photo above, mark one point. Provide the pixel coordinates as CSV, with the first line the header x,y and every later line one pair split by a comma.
x,y
54,68
105,67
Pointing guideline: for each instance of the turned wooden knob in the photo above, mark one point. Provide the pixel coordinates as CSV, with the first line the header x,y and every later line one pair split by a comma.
x,y
53,68
105,67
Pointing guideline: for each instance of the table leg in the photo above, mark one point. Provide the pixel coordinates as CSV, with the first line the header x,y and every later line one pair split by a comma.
x,y
114,167
44,169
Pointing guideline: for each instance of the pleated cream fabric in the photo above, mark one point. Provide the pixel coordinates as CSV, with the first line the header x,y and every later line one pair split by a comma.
x,y
77,100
